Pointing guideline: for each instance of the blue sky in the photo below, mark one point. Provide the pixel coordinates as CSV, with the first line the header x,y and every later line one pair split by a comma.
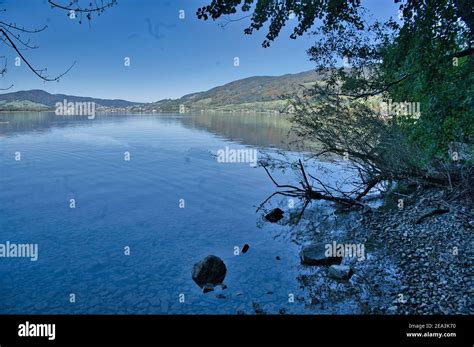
x,y
169,56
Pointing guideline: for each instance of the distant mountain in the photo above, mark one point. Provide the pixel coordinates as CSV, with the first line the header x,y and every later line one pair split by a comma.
x,y
37,99
260,93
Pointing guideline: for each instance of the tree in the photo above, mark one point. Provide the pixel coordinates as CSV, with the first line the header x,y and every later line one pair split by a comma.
x,y
425,57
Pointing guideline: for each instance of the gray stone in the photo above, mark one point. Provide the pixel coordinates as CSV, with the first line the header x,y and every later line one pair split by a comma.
x,y
315,255
340,272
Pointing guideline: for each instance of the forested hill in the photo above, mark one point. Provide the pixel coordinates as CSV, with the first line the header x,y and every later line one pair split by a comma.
x,y
257,93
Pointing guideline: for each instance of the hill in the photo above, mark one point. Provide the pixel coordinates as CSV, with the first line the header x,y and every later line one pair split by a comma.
x,y
39,100
259,93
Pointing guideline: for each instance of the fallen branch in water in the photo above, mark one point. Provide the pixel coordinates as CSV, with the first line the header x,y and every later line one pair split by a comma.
x,y
307,192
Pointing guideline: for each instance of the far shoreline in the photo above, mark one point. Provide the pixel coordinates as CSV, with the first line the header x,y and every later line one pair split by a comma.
x,y
192,113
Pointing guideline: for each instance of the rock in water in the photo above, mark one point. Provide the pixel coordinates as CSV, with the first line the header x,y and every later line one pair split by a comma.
x,y
210,270
274,216
208,287
315,254
340,272
245,248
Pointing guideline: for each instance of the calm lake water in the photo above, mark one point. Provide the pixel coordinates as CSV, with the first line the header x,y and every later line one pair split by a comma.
x,y
136,204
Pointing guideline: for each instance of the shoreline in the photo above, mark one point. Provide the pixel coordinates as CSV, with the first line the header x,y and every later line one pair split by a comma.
x,y
432,253
127,112
414,266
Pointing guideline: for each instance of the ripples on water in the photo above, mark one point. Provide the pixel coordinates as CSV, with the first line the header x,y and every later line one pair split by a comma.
x,y
136,204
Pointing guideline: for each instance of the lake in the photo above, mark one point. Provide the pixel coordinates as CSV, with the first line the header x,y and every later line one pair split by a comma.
x,y
137,226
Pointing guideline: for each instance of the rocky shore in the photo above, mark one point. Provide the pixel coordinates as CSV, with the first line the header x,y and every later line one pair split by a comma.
x,y
432,252
413,254
419,261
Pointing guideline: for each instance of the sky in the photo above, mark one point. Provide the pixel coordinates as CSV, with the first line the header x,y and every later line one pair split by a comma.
x,y
169,56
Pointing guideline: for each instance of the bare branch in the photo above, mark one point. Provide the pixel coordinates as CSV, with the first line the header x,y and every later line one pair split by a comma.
x,y
307,192
13,26
37,72
77,8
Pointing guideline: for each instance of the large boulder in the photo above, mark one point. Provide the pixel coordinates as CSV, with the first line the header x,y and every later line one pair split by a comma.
x,y
315,254
275,215
210,270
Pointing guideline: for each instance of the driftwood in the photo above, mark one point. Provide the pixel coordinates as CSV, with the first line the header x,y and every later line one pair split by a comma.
x,y
307,192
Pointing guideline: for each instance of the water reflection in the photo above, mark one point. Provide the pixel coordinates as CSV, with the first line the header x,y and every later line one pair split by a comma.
x,y
135,203
261,130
